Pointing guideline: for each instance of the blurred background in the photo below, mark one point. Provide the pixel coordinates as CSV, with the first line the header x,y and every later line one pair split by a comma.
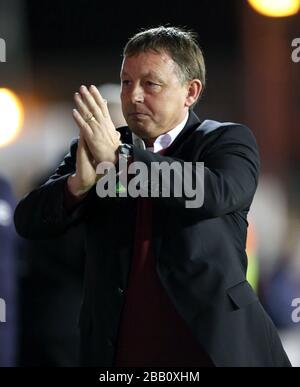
x,y
47,50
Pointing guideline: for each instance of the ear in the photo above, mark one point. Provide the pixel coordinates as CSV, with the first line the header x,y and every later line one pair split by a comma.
x,y
193,92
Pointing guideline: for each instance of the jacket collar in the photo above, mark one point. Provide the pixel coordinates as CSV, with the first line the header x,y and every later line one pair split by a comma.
x,y
192,123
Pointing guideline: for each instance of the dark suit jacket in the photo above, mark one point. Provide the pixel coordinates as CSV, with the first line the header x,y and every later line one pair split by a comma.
x,y
200,252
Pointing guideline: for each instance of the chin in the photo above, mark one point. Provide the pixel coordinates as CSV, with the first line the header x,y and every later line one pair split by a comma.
x,y
141,130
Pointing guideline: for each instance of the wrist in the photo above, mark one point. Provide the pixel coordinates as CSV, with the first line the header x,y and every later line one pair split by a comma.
x,y
75,188
125,150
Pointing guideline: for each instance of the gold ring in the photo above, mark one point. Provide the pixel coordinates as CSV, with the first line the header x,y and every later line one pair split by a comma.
x,y
91,118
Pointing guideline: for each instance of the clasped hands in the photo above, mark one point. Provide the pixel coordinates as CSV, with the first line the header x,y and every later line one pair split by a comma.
x,y
95,124
98,140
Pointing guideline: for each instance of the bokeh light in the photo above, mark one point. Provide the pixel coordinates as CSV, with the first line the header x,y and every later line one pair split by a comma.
x,y
276,8
11,116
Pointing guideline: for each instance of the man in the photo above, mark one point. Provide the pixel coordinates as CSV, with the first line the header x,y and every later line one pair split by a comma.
x,y
8,276
164,281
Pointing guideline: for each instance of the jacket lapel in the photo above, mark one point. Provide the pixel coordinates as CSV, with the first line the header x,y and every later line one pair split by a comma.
x,y
192,123
159,212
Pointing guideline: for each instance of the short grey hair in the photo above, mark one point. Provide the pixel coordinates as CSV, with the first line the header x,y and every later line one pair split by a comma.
x,y
179,43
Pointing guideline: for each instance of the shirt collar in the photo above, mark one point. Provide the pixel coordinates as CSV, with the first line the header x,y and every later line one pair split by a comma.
x,y
163,141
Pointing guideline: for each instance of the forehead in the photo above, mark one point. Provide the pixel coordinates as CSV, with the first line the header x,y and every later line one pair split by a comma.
x,y
148,62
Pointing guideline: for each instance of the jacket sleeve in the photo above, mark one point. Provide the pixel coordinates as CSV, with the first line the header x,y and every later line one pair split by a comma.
x,y
224,177
41,213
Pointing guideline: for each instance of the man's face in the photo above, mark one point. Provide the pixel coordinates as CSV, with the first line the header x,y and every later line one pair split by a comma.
x,y
153,97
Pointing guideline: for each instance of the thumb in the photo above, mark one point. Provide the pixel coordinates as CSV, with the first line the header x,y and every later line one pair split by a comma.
x,y
118,135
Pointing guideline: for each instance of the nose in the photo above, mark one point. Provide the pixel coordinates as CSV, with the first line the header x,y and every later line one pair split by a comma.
x,y
137,94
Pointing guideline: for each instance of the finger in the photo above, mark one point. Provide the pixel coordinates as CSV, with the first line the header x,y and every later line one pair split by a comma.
x,y
87,150
101,102
83,156
82,124
82,108
90,103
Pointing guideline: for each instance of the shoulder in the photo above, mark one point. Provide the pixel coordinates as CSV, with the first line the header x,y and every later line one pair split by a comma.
x,y
6,189
73,147
4,183
225,131
74,143
216,127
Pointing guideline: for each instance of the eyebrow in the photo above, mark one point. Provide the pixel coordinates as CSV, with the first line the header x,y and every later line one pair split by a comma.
x,y
149,73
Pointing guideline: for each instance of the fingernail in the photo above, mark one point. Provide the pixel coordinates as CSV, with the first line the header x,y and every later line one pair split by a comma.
x,y
83,87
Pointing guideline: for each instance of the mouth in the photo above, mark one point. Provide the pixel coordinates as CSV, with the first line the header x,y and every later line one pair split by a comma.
x,y
137,114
